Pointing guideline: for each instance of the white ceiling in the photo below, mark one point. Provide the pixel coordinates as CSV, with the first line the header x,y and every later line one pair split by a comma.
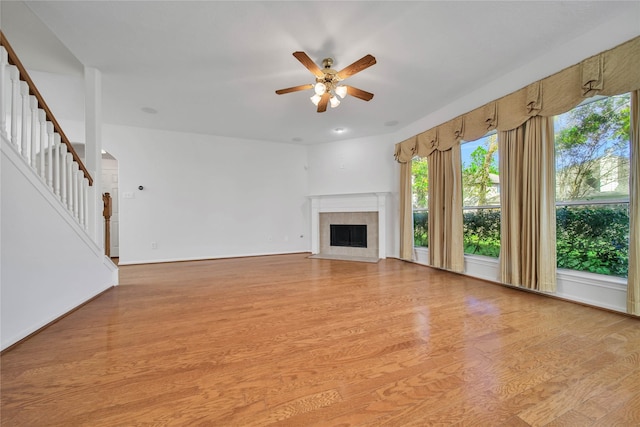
x,y
212,66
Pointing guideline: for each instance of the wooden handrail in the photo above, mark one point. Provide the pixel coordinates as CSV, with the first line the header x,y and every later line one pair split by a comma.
x,y
13,60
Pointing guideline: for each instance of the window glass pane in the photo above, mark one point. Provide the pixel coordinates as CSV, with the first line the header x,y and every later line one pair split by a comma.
x,y
420,199
481,196
592,150
480,176
592,186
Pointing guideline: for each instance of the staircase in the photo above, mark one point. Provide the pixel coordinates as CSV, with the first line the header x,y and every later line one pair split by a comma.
x,y
50,264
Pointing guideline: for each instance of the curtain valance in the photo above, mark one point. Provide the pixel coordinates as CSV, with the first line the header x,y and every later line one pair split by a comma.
x,y
608,73
406,150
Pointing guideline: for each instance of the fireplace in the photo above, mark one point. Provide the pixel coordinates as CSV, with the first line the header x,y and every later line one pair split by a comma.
x,y
361,209
359,241
350,235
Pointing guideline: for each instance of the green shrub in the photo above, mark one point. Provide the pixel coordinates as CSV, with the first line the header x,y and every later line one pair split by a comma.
x,y
588,238
481,228
593,238
421,229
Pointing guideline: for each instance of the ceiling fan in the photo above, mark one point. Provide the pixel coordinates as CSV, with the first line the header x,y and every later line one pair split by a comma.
x,y
327,87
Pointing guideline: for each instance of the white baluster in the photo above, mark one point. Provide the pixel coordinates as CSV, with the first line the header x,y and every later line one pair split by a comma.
x,y
4,63
24,120
85,191
45,131
49,161
37,129
56,164
41,142
15,98
74,183
33,135
63,174
81,200
69,161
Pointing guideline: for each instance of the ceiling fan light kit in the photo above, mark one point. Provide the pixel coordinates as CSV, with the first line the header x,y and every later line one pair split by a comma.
x,y
327,87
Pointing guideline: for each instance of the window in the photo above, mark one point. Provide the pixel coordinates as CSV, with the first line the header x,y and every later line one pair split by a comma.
x,y
481,196
420,201
592,186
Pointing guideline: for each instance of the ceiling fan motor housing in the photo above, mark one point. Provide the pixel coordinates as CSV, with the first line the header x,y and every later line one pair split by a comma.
x,y
330,79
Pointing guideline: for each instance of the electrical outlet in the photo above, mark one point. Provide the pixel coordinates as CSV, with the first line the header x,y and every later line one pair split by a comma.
x,y
154,245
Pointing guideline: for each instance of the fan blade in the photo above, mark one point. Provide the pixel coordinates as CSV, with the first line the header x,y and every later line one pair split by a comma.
x,y
322,105
308,62
362,63
293,89
359,93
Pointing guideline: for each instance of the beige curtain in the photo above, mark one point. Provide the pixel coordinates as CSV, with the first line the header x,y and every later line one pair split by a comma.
x,y
445,209
405,151
527,170
633,281
406,213
509,146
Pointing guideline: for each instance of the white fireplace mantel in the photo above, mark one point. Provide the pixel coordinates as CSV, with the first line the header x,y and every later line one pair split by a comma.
x,y
357,202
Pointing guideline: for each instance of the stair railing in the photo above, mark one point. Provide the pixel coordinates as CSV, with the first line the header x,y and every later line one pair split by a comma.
x,y
31,129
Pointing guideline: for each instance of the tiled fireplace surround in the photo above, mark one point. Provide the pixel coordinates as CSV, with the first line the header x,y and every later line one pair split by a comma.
x,y
361,208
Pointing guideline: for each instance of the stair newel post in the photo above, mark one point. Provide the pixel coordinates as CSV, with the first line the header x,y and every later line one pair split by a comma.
x,y
56,164
63,174
15,97
35,125
106,213
69,162
4,63
24,122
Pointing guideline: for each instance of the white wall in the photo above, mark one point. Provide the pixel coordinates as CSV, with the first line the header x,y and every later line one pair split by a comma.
x,y
206,196
48,264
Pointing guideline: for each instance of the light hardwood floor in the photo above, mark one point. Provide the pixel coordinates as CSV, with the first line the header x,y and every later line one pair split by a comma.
x,y
288,340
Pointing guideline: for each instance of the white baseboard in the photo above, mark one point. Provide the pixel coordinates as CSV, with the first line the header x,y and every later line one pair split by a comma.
x,y
205,258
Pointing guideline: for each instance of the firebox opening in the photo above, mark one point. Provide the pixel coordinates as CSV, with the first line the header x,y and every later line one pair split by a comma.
x,y
354,236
